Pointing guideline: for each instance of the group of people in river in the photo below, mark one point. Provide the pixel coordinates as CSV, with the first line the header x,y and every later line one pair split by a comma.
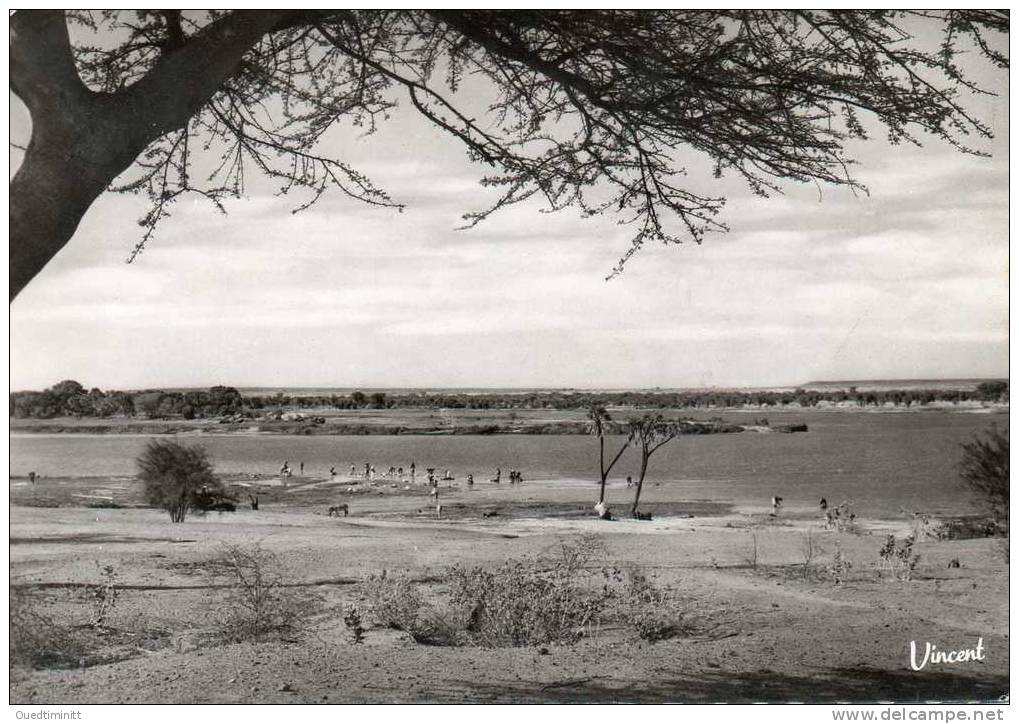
x,y
515,476
401,474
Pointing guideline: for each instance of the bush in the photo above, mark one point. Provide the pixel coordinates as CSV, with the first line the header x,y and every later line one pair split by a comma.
x,y
984,470
258,604
898,558
925,527
842,518
395,602
992,391
838,568
651,611
353,619
548,599
528,602
36,640
179,478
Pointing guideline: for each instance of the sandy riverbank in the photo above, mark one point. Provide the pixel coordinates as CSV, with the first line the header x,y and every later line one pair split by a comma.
x,y
764,633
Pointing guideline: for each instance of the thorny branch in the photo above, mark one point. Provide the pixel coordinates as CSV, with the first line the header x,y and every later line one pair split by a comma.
x,y
589,109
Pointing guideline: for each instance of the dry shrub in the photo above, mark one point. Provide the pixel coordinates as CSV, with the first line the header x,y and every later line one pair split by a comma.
x,y
394,599
838,567
532,601
553,598
809,549
102,597
396,602
527,602
841,518
353,619
259,605
652,611
37,640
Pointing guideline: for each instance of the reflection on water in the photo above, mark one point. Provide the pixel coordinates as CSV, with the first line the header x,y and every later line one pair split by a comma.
x,y
881,462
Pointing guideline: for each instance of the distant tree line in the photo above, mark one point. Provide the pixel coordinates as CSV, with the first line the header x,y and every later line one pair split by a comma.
x,y
71,399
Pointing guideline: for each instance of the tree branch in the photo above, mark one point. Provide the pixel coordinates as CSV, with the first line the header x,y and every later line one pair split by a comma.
x,y
184,80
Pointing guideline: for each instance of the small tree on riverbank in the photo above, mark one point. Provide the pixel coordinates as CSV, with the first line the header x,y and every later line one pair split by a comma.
x,y
179,478
600,418
651,432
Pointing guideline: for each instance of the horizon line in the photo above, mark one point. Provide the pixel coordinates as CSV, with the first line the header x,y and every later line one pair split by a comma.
x,y
555,388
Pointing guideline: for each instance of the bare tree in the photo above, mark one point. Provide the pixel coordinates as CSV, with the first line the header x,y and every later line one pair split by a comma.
x,y
589,108
651,432
600,420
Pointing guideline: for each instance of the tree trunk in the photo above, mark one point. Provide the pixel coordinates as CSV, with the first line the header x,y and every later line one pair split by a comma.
x,y
601,468
640,485
66,167
59,178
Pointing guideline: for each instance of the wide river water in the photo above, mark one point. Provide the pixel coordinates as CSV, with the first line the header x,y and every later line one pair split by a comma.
x,y
882,462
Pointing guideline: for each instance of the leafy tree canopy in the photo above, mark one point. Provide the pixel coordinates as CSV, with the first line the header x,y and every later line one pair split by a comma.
x,y
179,478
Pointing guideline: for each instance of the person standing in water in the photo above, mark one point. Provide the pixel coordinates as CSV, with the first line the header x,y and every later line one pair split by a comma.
x,y
302,467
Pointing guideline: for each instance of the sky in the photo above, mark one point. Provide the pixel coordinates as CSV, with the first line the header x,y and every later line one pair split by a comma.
x,y
910,281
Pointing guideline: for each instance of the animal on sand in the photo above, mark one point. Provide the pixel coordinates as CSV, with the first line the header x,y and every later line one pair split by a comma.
x,y
335,510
